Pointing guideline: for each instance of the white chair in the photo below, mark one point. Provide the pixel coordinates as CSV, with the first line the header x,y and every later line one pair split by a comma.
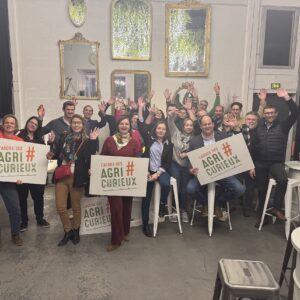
x,y
292,183
172,211
211,215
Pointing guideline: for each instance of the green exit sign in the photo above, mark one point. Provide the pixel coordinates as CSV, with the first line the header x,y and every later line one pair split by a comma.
x,y
275,85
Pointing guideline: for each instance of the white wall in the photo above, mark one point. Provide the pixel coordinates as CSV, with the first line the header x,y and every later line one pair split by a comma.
x,y
37,25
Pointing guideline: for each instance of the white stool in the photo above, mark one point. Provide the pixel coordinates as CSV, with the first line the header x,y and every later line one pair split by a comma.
x,y
292,183
196,209
211,197
156,198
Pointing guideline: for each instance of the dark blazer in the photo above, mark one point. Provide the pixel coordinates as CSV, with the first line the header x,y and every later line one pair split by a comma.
x,y
197,141
167,153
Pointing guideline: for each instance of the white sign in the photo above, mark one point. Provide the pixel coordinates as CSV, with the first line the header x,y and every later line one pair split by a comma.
x,y
23,161
118,176
95,215
223,159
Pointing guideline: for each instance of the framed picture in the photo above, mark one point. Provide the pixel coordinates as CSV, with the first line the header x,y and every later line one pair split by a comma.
x,y
131,29
187,39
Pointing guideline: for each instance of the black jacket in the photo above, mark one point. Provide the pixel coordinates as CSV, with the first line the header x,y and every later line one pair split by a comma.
x,y
197,141
83,161
269,144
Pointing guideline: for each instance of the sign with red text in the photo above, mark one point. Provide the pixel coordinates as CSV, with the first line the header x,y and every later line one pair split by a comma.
x,y
223,159
118,176
23,161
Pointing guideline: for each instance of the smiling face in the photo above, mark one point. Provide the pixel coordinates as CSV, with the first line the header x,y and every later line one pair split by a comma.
x,y
32,126
219,112
88,112
69,111
77,125
270,114
160,131
236,111
124,127
188,127
251,121
207,126
9,126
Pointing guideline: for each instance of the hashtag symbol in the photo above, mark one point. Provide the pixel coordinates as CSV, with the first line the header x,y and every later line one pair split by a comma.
x,y
227,149
130,168
30,153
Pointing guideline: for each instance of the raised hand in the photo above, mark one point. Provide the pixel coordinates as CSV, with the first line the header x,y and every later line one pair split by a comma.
x,y
94,133
152,110
167,95
262,95
102,106
74,100
194,92
217,88
132,104
41,111
141,102
51,136
282,93
111,100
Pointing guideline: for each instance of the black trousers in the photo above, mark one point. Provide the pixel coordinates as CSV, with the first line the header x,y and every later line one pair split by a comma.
x,y
275,169
250,185
37,195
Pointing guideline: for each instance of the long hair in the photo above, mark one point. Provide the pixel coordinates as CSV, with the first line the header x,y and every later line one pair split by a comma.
x,y
153,131
25,130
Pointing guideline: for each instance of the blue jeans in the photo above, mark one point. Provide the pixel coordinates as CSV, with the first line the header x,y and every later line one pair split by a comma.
x,y
9,194
182,176
164,181
231,185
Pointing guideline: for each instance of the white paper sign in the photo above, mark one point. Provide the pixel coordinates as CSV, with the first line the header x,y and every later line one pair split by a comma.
x,y
23,161
118,176
223,159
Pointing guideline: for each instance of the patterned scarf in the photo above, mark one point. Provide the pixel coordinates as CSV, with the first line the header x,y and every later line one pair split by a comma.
x,y
121,140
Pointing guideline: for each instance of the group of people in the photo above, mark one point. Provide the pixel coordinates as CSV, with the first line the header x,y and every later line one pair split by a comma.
x,y
138,129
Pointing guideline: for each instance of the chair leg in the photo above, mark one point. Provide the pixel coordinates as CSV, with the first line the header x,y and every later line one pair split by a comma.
x,y
288,208
265,205
218,288
156,196
193,214
229,219
175,192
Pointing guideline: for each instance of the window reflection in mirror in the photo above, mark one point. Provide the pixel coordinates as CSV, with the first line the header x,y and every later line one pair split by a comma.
x,y
79,68
128,84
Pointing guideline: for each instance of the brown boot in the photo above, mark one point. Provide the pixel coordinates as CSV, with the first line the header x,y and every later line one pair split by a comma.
x,y
112,247
277,213
16,239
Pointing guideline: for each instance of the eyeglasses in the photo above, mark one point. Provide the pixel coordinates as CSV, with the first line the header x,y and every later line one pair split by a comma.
x,y
76,123
269,113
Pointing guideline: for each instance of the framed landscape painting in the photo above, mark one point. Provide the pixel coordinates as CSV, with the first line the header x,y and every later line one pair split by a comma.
x,y
187,39
131,29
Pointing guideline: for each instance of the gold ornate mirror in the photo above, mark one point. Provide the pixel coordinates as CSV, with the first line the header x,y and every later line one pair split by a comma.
x,y
79,68
77,12
130,84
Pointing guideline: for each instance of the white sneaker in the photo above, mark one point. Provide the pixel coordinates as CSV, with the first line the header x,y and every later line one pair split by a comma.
x,y
173,218
184,217
224,216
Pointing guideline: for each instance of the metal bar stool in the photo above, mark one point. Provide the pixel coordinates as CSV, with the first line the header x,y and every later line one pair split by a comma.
x,y
171,210
243,278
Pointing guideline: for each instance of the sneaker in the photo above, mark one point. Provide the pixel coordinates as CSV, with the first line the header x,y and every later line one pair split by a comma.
x,y
173,218
16,239
184,217
43,223
224,217
23,227
162,210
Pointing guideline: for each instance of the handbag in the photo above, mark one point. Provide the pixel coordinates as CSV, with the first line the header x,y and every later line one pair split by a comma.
x,y
64,171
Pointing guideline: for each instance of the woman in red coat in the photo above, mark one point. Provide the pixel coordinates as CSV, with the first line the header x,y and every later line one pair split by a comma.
x,y
120,144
